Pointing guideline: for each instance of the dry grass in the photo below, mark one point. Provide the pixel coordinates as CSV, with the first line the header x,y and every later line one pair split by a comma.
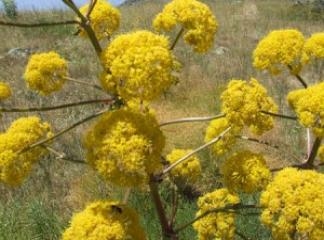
x,y
69,187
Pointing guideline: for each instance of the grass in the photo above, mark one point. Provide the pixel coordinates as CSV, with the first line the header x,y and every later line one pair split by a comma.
x,y
43,205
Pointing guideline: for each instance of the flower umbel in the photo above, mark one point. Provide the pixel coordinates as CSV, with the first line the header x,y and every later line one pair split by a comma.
x,y
194,17
5,91
125,147
187,172
293,204
314,48
278,50
309,106
138,65
16,165
104,19
46,72
242,102
246,172
105,220
220,225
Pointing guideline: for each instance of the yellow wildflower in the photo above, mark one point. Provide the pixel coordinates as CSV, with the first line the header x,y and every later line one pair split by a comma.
x,y
104,19
14,164
314,47
5,91
125,147
46,72
220,225
309,106
215,128
245,171
242,102
105,220
279,49
188,171
138,65
195,18
293,203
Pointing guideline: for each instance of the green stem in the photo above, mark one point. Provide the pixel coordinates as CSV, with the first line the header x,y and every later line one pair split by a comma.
x,y
44,109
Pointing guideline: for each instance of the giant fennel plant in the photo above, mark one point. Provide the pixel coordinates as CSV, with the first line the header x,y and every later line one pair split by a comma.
x,y
125,143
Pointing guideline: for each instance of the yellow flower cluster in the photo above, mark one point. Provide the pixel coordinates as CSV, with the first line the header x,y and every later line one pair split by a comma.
x,y
278,50
105,220
188,171
293,204
196,19
245,172
220,225
138,65
309,106
242,102
46,72
14,164
5,91
321,153
215,128
104,19
125,147
314,47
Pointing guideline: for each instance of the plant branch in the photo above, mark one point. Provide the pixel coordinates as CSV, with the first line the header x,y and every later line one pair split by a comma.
x,y
85,83
299,78
44,109
126,195
257,141
62,156
310,160
230,208
90,9
42,142
192,119
174,205
42,24
177,38
85,24
279,115
176,163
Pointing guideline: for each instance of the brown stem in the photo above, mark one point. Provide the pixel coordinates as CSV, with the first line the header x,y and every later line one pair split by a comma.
x,y
44,109
167,231
177,39
279,115
85,24
310,161
299,78
91,7
32,25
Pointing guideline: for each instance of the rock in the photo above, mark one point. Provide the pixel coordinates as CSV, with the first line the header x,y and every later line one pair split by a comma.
x,y
221,50
19,52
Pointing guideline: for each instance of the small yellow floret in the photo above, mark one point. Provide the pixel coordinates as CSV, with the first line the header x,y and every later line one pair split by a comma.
x,y
188,171
125,147
293,204
245,172
314,48
5,91
242,102
278,50
104,19
219,225
195,18
46,72
309,106
107,220
139,65
16,165
215,128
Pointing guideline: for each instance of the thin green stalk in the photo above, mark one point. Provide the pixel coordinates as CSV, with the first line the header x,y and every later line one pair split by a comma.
x,y
192,119
44,109
44,141
184,158
231,209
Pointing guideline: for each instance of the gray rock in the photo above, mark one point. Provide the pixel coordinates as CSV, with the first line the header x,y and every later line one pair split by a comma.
x,y
221,50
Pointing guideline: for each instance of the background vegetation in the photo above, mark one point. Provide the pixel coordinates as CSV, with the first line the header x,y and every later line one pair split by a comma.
x,y
43,205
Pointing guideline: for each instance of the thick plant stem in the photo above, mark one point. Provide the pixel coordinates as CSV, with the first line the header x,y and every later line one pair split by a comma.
x,y
167,231
310,161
